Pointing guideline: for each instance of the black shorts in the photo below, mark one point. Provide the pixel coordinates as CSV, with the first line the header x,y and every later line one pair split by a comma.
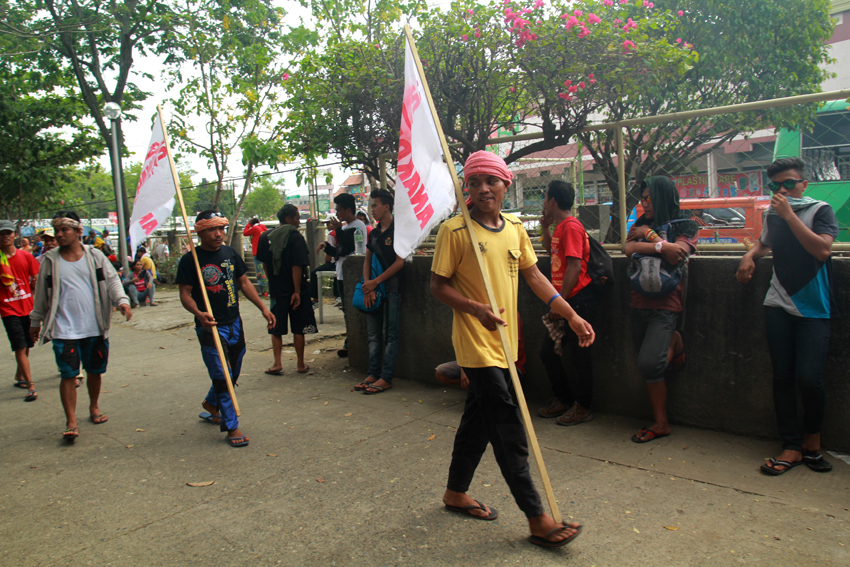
x,y
302,319
18,331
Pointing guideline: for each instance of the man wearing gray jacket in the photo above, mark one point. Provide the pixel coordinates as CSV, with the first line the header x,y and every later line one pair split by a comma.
x,y
76,281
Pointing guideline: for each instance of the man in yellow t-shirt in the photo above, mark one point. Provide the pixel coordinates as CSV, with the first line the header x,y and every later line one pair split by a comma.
x,y
491,413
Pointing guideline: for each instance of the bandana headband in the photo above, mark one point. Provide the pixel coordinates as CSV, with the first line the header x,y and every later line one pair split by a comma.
x,y
486,163
65,221
210,223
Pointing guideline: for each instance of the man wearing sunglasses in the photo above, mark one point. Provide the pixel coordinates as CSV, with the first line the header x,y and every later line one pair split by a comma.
x,y
224,273
799,303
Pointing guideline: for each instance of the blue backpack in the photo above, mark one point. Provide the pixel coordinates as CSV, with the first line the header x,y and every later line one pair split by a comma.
x,y
380,291
653,276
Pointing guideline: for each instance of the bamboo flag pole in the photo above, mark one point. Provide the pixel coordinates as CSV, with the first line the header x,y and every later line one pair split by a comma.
x,y
503,335
216,338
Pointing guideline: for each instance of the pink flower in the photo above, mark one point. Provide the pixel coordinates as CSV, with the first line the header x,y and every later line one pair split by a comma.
x,y
608,2
628,45
470,11
578,13
464,37
618,21
584,32
477,34
681,13
512,89
678,40
538,4
594,19
590,76
581,85
572,22
649,5
564,96
567,83
285,76
508,12
592,81
689,46
573,89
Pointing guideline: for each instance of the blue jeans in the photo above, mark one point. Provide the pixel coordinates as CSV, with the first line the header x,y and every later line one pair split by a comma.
x,y
652,330
375,323
261,275
137,297
233,345
798,349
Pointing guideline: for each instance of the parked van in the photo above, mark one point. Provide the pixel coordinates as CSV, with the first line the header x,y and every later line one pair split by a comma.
x,y
726,220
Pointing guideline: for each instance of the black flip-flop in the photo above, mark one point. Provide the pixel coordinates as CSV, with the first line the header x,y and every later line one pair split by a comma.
x,y
271,372
815,461
769,470
305,371
637,438
546,542
468,511
21,384
209,418
378,389
70,435
363,385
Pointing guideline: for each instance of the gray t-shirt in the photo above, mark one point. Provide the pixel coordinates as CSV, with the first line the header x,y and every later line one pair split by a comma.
x,y
75,315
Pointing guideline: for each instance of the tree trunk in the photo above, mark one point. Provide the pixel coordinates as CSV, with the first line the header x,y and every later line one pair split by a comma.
x,y
233,221
124,200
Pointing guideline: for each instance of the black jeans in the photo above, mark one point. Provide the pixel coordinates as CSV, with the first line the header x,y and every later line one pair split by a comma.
x,y
798,349
576,386
491,415
652,330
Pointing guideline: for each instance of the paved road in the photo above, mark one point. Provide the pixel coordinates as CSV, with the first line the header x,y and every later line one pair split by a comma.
x,y
333,477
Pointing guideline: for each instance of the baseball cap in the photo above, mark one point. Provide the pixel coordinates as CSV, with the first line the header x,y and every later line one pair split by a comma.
x,y
48,231
7,225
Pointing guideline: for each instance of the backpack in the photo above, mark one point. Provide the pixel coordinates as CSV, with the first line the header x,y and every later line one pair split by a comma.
x,y
653,276
600,266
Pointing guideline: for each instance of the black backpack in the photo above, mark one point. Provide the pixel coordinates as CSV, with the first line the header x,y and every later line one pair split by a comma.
x,y
600,266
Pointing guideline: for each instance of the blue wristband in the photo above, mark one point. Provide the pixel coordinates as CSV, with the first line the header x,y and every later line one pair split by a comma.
x,y
553,299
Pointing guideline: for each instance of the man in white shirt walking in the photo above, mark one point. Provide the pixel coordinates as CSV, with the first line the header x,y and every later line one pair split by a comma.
x,y
74,283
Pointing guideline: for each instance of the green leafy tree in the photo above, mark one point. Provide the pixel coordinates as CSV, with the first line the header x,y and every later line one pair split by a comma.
x,y
265,199
235,53
95,42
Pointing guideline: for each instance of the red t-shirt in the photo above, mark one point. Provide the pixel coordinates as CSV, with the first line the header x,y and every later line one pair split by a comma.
x,y
16,299
254,232
570,241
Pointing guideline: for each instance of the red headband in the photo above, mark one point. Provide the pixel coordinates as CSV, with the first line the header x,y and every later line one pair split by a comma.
x,y
486,163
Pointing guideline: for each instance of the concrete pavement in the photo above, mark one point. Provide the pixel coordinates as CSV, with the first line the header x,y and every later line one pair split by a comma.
x,y
333,477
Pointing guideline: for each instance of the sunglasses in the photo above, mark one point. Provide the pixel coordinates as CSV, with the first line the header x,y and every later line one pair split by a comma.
x,y
788,184
647,200
209,216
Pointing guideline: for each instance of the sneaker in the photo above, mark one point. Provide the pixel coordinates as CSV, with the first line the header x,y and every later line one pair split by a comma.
x,y
338,302
315,305
578,415
555,408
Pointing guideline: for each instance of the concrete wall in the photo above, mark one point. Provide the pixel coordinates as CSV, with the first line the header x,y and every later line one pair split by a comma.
x,y
725,385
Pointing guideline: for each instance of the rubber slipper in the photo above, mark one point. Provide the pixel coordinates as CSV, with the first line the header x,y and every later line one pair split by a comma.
x,y
98,419
237,441
21,384
378,390
70,435
643,432
546,542
32,396
305,371
209,418
769,470
815,461
363,385
271,372
468,511
79,382
678,361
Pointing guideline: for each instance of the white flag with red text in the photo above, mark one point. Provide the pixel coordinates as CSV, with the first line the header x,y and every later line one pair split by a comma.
x,y
155,191
425,193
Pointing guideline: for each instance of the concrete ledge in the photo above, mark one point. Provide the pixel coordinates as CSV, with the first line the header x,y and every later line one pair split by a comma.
x,y
726,384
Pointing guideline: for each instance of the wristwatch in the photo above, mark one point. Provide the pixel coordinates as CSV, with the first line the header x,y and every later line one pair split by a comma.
x,y
658,246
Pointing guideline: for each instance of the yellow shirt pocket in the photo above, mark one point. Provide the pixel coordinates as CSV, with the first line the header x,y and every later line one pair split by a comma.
x,y
514,254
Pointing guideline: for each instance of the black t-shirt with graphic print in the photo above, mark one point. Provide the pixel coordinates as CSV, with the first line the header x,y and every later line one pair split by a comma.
x,y
381,245
220,270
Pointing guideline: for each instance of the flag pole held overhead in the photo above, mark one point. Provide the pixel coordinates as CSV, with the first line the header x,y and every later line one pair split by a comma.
x,y
424,185
165,151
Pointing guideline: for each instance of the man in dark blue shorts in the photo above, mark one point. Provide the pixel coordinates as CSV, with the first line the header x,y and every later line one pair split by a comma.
x,y
76,288
284,253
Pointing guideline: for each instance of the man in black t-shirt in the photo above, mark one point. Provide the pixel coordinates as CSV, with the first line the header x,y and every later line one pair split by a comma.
x,y
380,246
284,253
224,273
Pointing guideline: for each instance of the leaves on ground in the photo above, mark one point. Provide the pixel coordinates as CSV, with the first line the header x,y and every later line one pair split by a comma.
x,y
348,414
204,483
320,479
432,437
636,530
271,455
671,528
140,430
